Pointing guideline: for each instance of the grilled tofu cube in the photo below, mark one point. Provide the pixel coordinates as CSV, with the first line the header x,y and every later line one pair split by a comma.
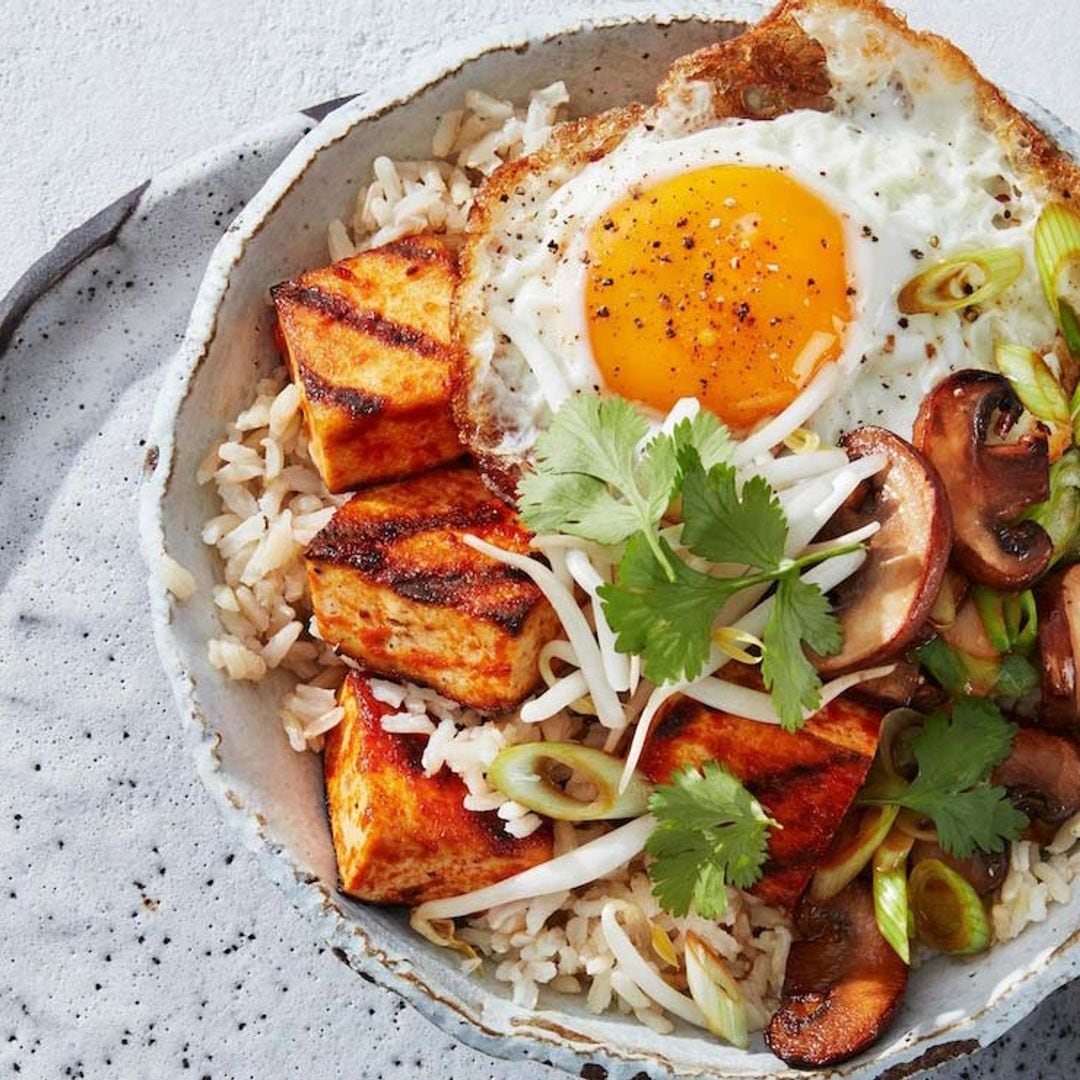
x,y
402,837
805,780
394,585
368,342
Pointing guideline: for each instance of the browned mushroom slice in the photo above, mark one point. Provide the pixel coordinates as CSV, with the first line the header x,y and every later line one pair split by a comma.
x,y
989,483
1059,645
904,685
983,872
842,986
1042,775
883,607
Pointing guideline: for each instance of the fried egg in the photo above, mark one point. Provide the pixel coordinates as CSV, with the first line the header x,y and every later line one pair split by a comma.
x,y
735,260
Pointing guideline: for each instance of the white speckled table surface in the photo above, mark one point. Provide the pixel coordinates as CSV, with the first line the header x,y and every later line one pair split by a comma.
x,y
137,938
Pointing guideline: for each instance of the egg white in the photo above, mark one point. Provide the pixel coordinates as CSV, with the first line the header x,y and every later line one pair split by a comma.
x,y
909,189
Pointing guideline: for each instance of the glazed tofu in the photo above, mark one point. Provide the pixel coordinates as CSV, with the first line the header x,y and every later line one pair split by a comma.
x,y
394,586
402,837
805,780
368,343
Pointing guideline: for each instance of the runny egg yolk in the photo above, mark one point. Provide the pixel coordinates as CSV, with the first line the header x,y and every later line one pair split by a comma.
x,y
728,284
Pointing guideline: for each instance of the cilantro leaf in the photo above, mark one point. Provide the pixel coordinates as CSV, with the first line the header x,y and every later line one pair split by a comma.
x,y
982,818
576,504
667,622
956,756
595,436
800,612
707,436
960,751
711,833
729,527
588,478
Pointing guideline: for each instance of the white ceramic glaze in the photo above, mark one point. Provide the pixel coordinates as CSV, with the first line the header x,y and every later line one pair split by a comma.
x,y
274,796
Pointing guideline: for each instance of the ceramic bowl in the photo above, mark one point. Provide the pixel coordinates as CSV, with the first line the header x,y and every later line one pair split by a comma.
x,y
274,796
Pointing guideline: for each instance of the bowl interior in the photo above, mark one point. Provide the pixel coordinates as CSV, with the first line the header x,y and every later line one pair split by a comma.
x,y
277,795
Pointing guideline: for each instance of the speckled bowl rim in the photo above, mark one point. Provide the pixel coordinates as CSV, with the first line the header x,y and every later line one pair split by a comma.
x,y
348,940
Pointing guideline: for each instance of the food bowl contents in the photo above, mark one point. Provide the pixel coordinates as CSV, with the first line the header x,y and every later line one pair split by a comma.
x,y
669,517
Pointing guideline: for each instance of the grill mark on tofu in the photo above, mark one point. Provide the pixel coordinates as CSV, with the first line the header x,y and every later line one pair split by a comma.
x,y
355,402
805,779
371,323
415,249
351,542
377,546
778,784
448,588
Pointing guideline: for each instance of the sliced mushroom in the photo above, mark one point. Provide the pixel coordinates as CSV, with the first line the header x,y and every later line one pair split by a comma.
x,y
883,607
1042,775
842,986
984,873
989,483
906,684
1059,646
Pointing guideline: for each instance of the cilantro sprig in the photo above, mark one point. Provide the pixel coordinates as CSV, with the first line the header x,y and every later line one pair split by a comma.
x,y
669,621
710,833
956,755
589,479
597,474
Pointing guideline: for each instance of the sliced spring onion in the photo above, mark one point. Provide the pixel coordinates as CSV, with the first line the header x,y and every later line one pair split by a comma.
x,y
1035,384
898,728
949,914
1057,245
956,671
961,281
575,868
523,773
852,851
891,908
634,965
991,608
1011,621
1060,514
916,826
1021,621
716,992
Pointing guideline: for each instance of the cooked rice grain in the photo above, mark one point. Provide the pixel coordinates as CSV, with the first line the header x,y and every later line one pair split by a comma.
x,y
176,578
